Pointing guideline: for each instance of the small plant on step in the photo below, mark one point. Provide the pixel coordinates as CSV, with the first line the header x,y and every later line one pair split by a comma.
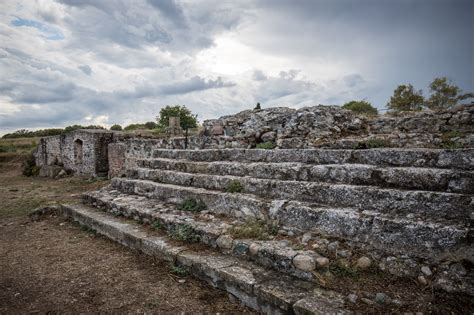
x,y
448,140
254,229
181,271
373,144
193,205
185,233
234,186
157,225
266,145
341,270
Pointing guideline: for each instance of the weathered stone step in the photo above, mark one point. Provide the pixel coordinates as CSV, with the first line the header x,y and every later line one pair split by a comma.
x,y
417,237
433,205
455,159
263,290
213,231
432,179
368,230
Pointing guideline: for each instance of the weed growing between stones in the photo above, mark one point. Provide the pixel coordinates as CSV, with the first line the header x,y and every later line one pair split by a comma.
x,y
185,233
448,140
193,205
340,270
254,229
234,187
180,271
157,225
266,145
373,144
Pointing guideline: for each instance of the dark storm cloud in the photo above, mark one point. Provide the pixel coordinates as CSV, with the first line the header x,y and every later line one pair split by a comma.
x,y
65,61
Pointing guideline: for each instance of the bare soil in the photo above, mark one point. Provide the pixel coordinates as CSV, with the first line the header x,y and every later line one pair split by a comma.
x,y
54,266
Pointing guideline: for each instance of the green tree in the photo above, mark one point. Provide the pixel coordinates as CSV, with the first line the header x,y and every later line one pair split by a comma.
x,y
405,98
151,125
116,127
257,106
187,119
445,94
361,107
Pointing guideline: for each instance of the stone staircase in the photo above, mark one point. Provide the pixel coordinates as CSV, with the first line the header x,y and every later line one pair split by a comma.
x,y
284,219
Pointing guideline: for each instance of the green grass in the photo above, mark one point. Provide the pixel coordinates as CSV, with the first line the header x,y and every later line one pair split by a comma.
x,y
234,186
157,225
447,140
254,229
192,205
342,271
184,233
181,271
266,145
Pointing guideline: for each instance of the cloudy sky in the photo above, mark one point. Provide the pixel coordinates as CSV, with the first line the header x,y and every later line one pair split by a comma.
x,y
119,61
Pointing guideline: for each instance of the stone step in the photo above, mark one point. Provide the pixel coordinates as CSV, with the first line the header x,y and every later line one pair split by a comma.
x,y
431,205
432,179
437,158
266,249
263,290
418,237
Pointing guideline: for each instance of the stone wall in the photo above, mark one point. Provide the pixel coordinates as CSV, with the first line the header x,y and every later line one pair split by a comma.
x,y
82,152
334,127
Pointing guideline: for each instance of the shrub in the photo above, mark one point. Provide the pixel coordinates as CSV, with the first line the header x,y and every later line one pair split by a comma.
x,y
266,145
258,107
361,107
157,225
445,94
116,127
185,233
447,141
193,205
234,186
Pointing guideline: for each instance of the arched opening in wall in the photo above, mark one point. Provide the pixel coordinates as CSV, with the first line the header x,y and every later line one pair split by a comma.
x,y
78,151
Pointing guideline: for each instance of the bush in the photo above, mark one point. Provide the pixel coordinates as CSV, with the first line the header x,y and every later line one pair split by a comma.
x,y
116,127
266,145
234,186
193,205
151,125
361,107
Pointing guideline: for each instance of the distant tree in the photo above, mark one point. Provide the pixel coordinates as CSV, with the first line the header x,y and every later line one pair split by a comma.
x,y
361,107
258,106
132,127
116,127
151,125
187,119
405,98
76,127
445,94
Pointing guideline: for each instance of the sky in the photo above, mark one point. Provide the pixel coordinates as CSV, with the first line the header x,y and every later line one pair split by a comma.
x,y
104,62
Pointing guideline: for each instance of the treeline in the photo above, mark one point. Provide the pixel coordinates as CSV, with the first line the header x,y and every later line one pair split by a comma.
x,y
443,94
24,133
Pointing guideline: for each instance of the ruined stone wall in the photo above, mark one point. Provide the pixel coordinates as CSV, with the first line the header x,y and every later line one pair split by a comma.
x,y
334,127
82,152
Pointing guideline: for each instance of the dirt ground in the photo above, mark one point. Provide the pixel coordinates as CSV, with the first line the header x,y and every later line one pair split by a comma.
x,y
54,266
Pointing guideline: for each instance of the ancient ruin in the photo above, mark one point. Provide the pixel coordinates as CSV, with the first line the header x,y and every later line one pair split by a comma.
x,y
391,194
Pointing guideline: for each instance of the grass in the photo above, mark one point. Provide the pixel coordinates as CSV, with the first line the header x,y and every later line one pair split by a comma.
x,y
254,229
340,270
266,145
192,205
447,139
157,225
184,233
234,186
